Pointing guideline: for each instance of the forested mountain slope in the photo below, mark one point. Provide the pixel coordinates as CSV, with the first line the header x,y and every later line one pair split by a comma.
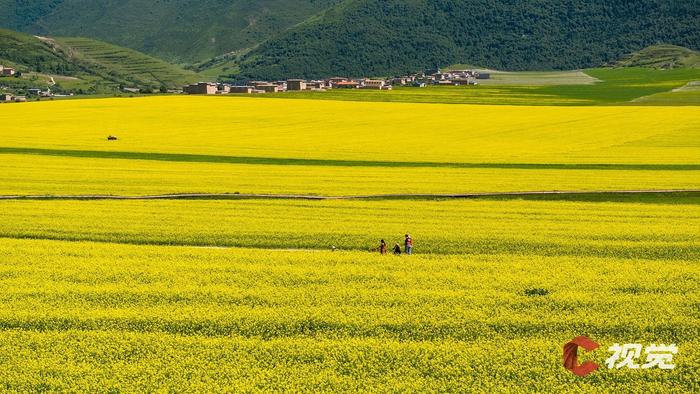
x,y
384,37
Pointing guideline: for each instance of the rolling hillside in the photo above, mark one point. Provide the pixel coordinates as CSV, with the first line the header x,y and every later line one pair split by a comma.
x,y
373,37
111,61
83,65
29,53
315,38
661,56
176,30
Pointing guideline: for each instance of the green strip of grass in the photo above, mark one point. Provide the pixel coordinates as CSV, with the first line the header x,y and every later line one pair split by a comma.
x,y
687,197
673,198
179,157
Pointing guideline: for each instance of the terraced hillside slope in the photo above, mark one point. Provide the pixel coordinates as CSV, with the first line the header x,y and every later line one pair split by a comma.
x,y
661,56
83,65
111,61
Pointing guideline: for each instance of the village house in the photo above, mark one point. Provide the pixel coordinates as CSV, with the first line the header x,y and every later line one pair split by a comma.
x,y
7,71
282,85
6,97
242,89
201,88
223,89
346,85
374,84
462,74
39,92
296,84
317,85
401,81
269,88
20,99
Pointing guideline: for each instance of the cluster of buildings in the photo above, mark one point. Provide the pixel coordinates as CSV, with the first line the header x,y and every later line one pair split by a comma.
x,y
433,77
6,71
290,85
8,98
457,77
439,77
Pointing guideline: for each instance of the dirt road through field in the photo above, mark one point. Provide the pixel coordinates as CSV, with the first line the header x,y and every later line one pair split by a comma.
x,y
234,196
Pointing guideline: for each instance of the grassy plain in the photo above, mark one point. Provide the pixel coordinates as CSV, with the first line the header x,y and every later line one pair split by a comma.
x,y
536,78
603,86
245,294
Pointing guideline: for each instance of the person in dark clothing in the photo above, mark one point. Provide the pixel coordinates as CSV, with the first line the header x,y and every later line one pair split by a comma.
x,y
382,247
397,249
409,244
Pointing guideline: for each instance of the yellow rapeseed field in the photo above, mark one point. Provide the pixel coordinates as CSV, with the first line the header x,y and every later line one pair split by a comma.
x,y
664,229
258,295
37,174
250,145
253,127
110,317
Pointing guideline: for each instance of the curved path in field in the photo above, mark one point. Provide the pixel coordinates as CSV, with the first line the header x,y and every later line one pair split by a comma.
x,y
234,196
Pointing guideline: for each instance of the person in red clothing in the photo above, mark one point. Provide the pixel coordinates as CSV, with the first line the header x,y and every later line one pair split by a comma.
x,y
408,244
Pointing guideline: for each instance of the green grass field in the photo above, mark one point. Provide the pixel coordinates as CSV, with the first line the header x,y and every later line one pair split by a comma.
x,y
603,86
246,294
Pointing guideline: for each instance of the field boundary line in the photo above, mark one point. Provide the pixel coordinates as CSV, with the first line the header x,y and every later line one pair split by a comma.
x,y
224,159
252,196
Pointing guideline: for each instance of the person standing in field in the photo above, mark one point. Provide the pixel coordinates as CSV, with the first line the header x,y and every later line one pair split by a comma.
x,y
382,247
397,250
408,243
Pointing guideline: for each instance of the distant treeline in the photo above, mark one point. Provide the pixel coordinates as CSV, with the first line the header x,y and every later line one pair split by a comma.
x,y
388,37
